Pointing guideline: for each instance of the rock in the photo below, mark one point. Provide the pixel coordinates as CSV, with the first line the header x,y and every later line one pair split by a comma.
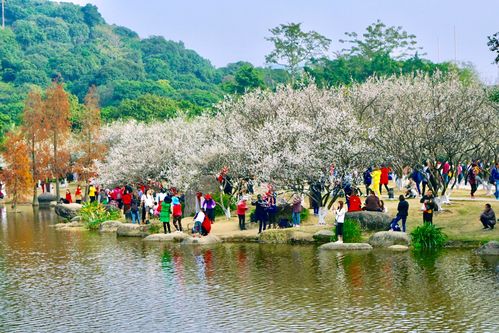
x,y
76,219
373,221
346,246
45,199
240,237
285,236
489,249
132,230
109,226
205,240
68,211
323,236
398,248
389,238
175,237
69,226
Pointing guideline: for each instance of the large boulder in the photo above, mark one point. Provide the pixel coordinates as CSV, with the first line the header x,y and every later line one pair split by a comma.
x,y
110,226
373,221
132,230
346,246
45,199
323,236
205,240
175,237
489,249
68,211
389,238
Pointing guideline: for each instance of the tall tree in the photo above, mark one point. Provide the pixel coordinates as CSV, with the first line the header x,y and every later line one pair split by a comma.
x,y
293,47
35,134
381,39
16,173
91,148
56,120
493,45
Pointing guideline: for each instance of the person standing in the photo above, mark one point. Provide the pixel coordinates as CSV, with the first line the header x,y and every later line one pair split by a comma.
x,y
426,175
127,202
260,213
428,207
494,178
472,180
134,209
402,212
78,195
368,179
376,177
340,219
209,207
384,178
488,218
241,213
297,208
91,192
177,213
164,214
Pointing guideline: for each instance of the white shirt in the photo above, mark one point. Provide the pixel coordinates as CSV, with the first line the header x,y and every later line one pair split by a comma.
x,y
340,215
199,217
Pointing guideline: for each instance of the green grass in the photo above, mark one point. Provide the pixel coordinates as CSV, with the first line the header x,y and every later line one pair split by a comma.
x,y
428,237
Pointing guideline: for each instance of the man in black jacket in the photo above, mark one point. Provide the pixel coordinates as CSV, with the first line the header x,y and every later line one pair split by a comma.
x,y
429,206
402,212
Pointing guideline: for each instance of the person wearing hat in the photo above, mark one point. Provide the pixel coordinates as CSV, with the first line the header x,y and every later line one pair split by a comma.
x,y
177,213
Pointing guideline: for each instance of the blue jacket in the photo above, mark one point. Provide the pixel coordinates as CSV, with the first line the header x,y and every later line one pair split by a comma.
x,y
494,174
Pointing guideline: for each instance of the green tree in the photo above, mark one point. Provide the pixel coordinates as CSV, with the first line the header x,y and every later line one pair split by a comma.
x,y
246,78
379,39
145,108
293,47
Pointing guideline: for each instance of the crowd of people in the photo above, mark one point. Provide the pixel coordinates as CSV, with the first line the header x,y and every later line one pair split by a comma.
x,y
142,202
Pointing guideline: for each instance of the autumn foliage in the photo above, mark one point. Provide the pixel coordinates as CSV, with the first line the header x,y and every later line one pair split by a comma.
x,y
17,173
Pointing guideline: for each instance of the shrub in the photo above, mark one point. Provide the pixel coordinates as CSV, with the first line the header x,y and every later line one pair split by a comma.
x,y
427,236
94,213
154,228
226,199
351,232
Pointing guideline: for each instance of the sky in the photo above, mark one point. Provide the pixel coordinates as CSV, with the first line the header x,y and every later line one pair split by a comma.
x,y
226,31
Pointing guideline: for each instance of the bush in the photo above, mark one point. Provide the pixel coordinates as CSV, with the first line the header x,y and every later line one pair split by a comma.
x,y
351,232
94,213
226,199
154,228
427,236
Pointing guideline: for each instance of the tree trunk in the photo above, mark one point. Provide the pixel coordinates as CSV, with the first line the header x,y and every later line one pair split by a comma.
x,y
56,167
35,198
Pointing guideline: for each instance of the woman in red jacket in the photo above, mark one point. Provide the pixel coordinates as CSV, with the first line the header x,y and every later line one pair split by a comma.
x,y
384,177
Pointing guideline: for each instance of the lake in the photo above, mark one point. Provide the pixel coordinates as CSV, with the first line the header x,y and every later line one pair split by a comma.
x,y
68,281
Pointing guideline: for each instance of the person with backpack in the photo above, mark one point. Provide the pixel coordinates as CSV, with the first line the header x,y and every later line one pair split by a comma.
x,y
402,213
164,213
177,213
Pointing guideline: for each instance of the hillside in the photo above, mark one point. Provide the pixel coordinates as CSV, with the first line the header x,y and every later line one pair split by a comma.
x,y
45,40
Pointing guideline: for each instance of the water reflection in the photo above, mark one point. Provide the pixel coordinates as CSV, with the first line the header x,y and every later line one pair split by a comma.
x,y
67,281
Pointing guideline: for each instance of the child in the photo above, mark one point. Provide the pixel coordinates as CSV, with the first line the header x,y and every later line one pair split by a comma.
x,y
164,213
198,221
68,197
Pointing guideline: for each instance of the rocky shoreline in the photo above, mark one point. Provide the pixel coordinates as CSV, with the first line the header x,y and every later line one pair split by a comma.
x,y
394,241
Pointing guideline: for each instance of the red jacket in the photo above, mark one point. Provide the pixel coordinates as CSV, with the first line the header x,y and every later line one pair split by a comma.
x,y
241,208
127,199
355,204
384,176
177,210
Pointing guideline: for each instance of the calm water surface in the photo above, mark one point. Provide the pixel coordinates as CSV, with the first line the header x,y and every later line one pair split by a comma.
x,y
58,281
